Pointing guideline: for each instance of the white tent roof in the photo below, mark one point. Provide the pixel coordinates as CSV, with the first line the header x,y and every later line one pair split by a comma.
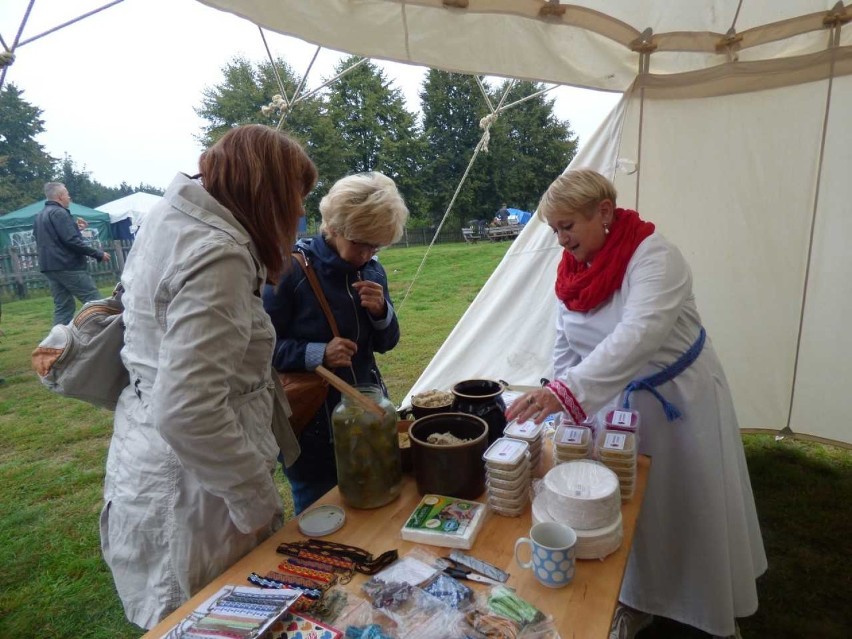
x,y
591,43
135,206
735,117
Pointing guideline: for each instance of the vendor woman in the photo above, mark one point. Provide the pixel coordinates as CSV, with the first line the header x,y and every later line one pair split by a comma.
x,y
628,331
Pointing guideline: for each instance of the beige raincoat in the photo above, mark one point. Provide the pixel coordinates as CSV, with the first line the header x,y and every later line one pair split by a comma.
x,y
189,486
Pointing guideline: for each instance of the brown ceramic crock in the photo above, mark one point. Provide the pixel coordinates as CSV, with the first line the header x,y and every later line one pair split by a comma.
x,y
456,470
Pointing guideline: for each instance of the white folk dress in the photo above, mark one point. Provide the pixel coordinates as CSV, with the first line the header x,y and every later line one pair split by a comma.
x,y
189,477
698,548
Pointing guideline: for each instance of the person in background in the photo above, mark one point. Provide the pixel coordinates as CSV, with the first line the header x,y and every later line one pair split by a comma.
x,y
62,254
189,483
360,214
501,217
626,311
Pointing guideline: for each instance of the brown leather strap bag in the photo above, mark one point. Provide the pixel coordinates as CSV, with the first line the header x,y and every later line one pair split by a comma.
x,y
306,391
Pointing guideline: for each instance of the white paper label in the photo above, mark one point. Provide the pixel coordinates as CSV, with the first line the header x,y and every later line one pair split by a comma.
x,y
622,418
581,490
615,441
572,436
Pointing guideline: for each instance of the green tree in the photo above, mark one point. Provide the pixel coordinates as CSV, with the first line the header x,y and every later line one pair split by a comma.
x,y
24,164
88,192
452,108
81,187
240,98
529,147
379,133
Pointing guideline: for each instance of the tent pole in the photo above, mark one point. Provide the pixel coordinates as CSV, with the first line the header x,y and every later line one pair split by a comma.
x,y
644,45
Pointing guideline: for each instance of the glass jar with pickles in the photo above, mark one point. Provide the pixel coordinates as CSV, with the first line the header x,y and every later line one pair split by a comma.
x,y
366,450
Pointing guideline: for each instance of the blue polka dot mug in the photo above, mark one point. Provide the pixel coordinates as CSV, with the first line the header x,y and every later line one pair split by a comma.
x,y
552,553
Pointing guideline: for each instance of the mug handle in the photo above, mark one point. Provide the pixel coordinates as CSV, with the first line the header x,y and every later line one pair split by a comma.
x,y
523,541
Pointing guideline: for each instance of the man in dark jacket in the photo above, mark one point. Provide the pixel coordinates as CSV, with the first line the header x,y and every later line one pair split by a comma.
x,y
62,254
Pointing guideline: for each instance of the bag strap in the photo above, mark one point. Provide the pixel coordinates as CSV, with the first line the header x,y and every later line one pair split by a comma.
x,y
315,285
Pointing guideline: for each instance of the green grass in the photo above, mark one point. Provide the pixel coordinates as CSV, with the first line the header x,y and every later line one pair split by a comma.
x,y
52,454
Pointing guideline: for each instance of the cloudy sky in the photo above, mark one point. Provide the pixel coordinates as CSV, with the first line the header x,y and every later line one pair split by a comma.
x,y
118,89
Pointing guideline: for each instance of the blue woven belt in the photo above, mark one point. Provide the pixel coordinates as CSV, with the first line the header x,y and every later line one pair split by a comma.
x,y
652,381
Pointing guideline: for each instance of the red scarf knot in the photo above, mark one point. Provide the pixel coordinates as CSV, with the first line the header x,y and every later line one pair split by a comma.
x,y
583,287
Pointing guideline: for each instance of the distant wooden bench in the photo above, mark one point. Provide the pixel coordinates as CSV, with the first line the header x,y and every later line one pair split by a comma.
x,y
471,234
498,233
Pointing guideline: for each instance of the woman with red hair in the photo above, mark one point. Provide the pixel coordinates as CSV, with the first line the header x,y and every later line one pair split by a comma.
x,y
189,479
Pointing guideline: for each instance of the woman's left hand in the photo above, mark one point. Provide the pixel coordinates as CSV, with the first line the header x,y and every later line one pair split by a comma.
x,y
372,297
535,406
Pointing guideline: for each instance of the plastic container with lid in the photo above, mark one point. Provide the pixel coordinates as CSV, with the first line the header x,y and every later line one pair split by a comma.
x,y
572,439
526,431
514,485
616,445
506,454
523,470
511,507
510,497
623,419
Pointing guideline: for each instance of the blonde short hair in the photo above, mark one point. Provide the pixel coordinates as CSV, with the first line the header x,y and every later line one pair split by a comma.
x,y
364,207
575,191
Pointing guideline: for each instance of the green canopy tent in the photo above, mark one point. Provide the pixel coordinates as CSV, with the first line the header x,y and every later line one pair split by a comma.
x,y
16,228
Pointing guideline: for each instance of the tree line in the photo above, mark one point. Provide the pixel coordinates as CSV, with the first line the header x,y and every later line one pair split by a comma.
x,y
361,123
358,123
25,166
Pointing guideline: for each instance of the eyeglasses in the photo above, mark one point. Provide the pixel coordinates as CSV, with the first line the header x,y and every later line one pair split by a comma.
x,y
364,247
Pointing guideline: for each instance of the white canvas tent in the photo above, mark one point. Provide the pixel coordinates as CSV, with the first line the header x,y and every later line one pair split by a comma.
x,y
134,206
732,136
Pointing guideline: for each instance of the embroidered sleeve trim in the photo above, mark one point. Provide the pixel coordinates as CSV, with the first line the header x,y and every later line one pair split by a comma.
x,y
568,401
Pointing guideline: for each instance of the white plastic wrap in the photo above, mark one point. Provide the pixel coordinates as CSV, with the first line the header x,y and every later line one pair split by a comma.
x,y
591,544
583,494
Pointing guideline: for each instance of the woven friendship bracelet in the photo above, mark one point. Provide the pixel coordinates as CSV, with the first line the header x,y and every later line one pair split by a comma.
x,y
301,582
320,576
263,582
343,575
339,555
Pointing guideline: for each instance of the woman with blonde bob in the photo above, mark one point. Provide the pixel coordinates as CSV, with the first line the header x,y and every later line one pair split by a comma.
x,y
629,335
189,477
361,214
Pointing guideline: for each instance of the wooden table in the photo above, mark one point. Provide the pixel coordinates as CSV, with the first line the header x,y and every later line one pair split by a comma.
x,y
582,609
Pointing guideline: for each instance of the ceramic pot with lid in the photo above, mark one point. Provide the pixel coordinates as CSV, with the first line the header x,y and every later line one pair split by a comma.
x,y
483,398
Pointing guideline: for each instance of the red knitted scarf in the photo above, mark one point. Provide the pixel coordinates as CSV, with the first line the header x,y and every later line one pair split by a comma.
x,y
585,287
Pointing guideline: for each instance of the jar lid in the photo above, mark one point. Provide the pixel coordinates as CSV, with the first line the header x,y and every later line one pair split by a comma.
x,y
321,521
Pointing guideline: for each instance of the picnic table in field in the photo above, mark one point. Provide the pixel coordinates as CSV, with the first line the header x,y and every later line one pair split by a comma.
x,y
476,232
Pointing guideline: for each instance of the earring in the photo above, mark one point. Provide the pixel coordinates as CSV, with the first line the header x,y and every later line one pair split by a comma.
x,y
606,228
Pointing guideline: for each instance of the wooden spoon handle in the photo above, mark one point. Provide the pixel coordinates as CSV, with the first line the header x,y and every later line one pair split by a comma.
x,y
350,391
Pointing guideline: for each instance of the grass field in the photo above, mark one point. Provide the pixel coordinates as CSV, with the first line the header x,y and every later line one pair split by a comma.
x,y
53,582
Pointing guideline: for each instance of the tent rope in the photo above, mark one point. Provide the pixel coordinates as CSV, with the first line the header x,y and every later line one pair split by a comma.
x,y
833,44
298,90
280,104
16,40
488,121
19,43
274,68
